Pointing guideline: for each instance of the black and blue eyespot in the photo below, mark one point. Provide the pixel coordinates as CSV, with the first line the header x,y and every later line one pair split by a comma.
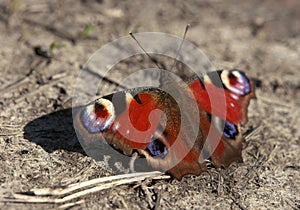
x,y
236,81
99,116
157,148
89,121
230,130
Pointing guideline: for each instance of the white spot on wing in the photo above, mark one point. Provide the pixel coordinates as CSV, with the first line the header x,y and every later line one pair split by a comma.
x,y
225,79
207,79
128,97
116,126
110,109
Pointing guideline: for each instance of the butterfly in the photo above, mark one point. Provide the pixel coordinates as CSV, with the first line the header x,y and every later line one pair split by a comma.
x,y
149,121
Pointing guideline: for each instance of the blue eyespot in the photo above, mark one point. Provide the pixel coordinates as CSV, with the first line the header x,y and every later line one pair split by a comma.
x,y
157,148
230,130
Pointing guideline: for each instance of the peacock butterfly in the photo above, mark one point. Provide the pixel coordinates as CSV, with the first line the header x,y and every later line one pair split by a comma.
x,y
148,121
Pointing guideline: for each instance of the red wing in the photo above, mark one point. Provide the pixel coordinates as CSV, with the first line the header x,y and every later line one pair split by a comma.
x,y
181,140
229,102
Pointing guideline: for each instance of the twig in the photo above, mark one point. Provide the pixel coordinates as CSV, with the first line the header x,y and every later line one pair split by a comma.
x,y
39,89
255,131
276,102
62,194
69,205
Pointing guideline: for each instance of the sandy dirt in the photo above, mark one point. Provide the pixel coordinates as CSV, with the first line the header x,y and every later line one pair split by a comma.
x,y
45,43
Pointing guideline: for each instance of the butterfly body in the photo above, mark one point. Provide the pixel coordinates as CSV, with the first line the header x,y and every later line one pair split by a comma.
x,y
150,121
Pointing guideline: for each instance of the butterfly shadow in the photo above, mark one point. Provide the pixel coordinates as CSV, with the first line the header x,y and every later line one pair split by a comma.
x,y
53,132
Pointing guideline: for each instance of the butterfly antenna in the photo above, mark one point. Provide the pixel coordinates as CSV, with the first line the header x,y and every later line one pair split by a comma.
x,y
151,58
181,44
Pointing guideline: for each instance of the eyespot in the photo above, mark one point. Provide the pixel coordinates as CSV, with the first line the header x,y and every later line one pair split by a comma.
x,y
230,130
157,148
99,116
236,81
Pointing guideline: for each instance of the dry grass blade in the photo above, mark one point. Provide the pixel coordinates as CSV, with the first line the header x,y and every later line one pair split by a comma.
x,y
111,179
257,130
61,195
69,205
273,101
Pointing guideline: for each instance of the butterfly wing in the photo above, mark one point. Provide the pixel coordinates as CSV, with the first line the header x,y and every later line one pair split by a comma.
x,y
234,89
230,87
149,121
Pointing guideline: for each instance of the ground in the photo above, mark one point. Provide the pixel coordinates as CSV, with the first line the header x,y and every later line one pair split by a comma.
x,y
45,43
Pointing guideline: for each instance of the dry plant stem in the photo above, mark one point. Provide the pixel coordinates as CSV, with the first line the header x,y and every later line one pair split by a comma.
x,y
69,205
41,88
73,187
257,130
276,102
102,183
